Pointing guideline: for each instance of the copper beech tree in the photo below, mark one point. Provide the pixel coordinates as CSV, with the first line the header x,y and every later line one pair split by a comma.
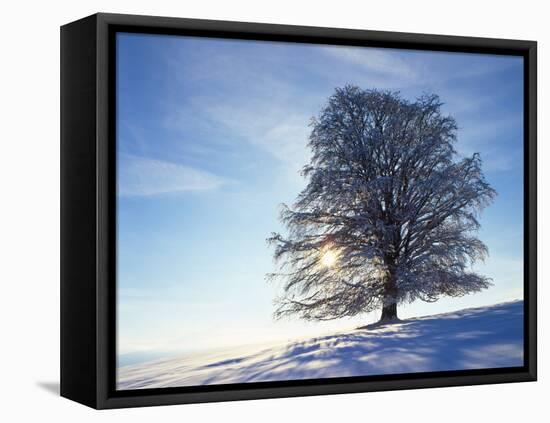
x,y
389,213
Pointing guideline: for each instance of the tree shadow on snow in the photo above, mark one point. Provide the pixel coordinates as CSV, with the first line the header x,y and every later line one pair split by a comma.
x,y
469,339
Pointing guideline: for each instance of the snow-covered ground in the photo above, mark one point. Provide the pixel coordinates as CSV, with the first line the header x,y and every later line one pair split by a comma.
x,y
474,338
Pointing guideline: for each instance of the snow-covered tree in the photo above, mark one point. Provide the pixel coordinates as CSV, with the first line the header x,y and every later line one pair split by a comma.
x,y
389,213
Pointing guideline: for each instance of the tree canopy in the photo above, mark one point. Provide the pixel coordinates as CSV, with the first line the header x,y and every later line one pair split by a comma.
x,y
389,214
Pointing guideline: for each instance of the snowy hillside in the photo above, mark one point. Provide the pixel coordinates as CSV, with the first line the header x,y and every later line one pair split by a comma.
x,y
468,339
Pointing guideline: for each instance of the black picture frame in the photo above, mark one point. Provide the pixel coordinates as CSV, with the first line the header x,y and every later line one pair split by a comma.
x,y
88,253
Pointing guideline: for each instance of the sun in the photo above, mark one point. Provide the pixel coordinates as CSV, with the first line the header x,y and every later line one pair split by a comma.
x,y
329,258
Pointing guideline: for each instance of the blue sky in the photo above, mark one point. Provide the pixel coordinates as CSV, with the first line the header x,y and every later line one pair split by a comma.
x,y
211,135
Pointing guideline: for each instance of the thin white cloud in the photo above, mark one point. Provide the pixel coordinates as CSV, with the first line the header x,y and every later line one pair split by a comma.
x,y
280,133
373,60
248,97
139,176
483,137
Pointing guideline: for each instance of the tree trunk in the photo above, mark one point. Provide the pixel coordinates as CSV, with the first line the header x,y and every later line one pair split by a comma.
x,y
389,312
389,307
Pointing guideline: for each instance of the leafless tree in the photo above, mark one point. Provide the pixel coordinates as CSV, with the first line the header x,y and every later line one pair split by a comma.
x,y
389,213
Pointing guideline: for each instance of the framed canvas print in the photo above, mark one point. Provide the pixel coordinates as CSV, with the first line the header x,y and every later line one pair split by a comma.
x,y
255,211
